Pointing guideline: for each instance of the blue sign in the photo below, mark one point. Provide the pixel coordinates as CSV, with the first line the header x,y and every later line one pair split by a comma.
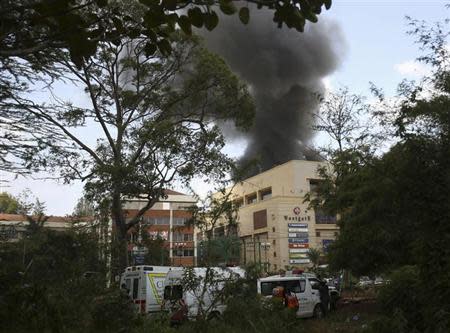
x,y
298,240
298,235
298,225
326,243
139,259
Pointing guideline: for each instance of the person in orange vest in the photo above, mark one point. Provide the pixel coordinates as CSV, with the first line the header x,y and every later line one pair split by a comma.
x,y
291,300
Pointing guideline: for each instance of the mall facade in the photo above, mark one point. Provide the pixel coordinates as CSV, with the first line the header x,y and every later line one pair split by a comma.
x,y
276,228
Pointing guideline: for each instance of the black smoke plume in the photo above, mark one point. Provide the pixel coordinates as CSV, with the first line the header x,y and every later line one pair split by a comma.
x,y
284,69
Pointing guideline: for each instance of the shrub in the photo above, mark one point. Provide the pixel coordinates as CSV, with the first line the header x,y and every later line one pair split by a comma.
x,y
400,299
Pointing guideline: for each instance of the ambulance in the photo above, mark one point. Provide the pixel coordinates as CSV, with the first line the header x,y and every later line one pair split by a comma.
x,y
145,286
183,304
305,286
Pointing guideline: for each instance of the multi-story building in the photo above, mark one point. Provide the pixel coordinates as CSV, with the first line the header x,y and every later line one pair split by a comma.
x,y
276,227
166,220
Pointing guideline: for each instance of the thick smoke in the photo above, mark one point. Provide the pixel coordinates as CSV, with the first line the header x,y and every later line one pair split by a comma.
x,y
284,69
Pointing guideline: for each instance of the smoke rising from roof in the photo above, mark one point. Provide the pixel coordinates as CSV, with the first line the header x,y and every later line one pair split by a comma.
x,y
284,69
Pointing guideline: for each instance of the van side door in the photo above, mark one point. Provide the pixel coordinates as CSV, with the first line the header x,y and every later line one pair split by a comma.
x,y
315,294
297,286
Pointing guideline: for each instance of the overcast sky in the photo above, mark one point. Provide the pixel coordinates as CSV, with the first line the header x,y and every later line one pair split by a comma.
x,y
377,49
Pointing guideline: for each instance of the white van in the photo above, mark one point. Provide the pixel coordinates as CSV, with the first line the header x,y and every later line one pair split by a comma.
x,y
145,285
182,303
304,285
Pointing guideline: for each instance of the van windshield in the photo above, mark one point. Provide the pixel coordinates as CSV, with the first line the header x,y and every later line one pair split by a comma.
x,y
173,293
295,286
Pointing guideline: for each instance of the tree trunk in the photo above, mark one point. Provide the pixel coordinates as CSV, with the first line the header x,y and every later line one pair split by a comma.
x,y
120,231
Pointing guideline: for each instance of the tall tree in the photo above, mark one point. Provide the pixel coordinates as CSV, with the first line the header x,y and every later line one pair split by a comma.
x,y
33,33
395,209
156,118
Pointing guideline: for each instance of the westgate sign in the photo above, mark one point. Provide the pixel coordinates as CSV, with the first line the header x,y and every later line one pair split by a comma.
x,y
297,218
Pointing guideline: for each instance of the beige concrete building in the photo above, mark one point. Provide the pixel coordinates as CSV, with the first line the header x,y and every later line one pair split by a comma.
x,y
275,226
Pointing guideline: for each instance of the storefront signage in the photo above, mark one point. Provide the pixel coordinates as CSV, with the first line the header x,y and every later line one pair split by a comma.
x,y
298,255
299,261
298,246
298,235
298,229
297,225
298,240
297,218
298,250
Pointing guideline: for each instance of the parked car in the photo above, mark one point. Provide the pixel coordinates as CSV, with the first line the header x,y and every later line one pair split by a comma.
x,y
305,286
365,282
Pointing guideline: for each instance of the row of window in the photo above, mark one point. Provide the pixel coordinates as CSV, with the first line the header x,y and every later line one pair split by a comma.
x,y
253,197
179,237
183,252
165,220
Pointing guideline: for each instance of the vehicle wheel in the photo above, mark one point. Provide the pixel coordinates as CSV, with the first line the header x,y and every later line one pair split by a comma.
x,y
318,312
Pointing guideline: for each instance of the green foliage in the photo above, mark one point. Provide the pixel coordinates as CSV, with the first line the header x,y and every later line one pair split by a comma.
x,y
35,35
43,285
158,252
394,207
402,296
314,256
113,311
220,250
9,204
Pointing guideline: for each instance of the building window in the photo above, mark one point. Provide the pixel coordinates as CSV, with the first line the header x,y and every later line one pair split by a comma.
x,y
317,233
188,237
274,254
260,219
180,237
273,229
274,242
183,253
179,221
156,220
251,198
265,194
322,218
177,237
314,185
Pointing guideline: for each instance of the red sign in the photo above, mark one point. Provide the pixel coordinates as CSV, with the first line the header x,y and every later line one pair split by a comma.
x,y
297,210
298,246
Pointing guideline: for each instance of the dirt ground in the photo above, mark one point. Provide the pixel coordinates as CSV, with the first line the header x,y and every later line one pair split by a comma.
x,y
352,315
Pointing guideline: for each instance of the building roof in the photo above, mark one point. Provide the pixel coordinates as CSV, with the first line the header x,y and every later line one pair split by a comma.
x,y
23,218
172,192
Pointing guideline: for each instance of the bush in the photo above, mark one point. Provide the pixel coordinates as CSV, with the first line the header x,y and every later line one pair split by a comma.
x,y
400,300
113,312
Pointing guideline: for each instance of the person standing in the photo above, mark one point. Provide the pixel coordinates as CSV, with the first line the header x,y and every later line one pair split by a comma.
x,y
324,297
